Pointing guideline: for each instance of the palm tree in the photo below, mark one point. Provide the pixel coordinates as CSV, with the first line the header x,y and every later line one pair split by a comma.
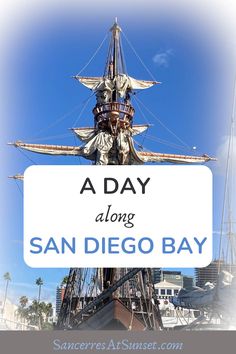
x,y
23,301
46,309
34,313
39,282
6,277
22,310
48,312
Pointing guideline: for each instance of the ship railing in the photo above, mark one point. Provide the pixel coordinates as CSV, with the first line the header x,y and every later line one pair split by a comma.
x,y
123,109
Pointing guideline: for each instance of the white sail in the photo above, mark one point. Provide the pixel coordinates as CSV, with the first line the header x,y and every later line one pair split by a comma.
x,y
90,82
141,84
138,129
102,143
172,158
84,134
87,133
50,149
121,83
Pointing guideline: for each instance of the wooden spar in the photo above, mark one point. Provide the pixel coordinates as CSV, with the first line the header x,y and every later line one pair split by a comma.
x,y
18,176
140,156
49,149
155,157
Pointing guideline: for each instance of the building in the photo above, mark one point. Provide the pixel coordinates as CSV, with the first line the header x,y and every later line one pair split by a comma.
x,y
10,318
172,276
165,290
8,315
207,274
59,298
156,275
188,281
210,273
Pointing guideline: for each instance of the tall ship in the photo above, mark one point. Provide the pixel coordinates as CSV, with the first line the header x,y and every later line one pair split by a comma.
x,y
111,298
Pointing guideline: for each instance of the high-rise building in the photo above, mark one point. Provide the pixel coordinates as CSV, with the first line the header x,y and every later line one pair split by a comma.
x,y
188,281
59,298
207,274
156,275
210,273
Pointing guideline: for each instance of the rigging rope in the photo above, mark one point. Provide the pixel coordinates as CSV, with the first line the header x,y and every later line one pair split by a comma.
x,y
163,125
83,108
17,184
165,142
106,69
60,119
140,110
64,116
141,61
24,154
232,121
143,290
141,147
76,143
93,56
53,137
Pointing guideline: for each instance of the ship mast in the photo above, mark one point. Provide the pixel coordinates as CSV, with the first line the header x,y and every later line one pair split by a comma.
x,y
227,217
116,51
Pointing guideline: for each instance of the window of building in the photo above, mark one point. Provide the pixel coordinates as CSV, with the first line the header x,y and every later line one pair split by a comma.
x,y
169,292
163,291
176,291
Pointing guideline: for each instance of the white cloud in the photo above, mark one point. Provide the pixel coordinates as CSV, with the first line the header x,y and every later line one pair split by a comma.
x,y
163,58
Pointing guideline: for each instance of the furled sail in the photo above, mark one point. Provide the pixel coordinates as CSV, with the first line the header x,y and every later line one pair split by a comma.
x,y
121,83
50,149
139,128
87,133
92,82
84,134
144,156
102,143
172,158
135,84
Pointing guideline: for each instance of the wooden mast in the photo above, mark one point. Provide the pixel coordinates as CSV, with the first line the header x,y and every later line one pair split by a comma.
x,y
116,48
109,274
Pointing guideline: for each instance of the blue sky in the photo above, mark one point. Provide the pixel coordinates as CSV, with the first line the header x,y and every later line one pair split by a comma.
x,y
193,101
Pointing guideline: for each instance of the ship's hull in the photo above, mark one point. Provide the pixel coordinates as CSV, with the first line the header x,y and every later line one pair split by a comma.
x,y
114,315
